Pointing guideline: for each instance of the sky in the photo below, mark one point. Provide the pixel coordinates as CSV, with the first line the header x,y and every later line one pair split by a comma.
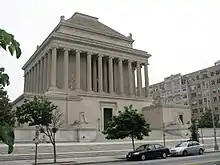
x,y
181,35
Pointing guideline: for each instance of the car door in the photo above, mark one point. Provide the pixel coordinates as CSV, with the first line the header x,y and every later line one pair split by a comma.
x,y
159,149
151,151
195,147
190,148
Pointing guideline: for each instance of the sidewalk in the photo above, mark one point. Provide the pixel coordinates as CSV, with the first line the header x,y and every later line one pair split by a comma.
x,y
84,160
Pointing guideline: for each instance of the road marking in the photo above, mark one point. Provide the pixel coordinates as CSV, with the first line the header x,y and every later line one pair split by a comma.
x,y
210,161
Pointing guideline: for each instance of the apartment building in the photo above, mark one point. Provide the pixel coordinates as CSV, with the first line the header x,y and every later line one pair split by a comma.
x,y
200,90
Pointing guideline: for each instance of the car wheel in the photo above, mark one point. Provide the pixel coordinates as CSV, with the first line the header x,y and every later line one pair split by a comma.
x,y
164,155
201,151
185,153
143,157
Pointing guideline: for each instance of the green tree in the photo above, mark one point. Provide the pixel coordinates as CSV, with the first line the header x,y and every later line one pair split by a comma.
x,y
205,120
41,112
127,123
7,42
194,130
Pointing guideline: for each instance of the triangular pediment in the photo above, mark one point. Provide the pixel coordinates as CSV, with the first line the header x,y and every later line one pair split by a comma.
x,y
93,23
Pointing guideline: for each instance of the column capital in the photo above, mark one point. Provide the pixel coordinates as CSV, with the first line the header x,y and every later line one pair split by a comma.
x,y
78,51
146,63
100,55
66,49
89,53
131,61
111,57
121,59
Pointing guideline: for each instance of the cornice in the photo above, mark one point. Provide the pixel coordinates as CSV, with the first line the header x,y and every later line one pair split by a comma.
x,y
100,44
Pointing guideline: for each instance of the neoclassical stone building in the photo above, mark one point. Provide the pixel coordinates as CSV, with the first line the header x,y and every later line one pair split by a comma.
x,y
89,70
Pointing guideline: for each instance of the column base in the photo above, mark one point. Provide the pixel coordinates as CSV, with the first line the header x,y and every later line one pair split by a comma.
x,y
53,88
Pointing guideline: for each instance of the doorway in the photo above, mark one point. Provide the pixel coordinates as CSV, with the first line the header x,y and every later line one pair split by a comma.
x,y
108,114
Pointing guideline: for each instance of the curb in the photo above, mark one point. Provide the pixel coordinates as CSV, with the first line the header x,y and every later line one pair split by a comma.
x,y
104,161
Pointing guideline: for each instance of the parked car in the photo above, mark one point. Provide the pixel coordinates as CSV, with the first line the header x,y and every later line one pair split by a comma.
x,y
187,148
148,151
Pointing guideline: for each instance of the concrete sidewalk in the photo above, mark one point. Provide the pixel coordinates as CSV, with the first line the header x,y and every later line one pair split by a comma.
x,y
73,161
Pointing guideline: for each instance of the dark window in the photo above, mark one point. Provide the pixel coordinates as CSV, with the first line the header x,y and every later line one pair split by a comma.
x,y
214,99
198,86
216,108
197,77
213,82
205,100
195,110
181,118
219,98
212,73
193,94
201,110
218,80
200,101
217,72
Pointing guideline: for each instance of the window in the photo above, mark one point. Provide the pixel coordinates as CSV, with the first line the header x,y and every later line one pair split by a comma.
x,y
183,81
205,100
185,103
214,99
198,86
212,73
181,118
195,110
218,80
203,83
184,96
219,98
184,89
213,82
201,110
200,101
194,103
197,77
193,94
216,108
195,143
217,72
214,91
158,146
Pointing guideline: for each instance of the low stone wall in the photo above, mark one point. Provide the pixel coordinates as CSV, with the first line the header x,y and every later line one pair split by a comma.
x,y
26,135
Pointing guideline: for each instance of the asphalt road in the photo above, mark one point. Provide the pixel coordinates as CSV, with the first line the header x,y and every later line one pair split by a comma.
x,y
206,159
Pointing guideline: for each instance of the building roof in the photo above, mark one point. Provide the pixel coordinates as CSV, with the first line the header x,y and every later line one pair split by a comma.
x,y
93,23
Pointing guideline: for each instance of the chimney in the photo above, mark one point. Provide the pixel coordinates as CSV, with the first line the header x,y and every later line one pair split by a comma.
x,y
130,36
62,18
37,46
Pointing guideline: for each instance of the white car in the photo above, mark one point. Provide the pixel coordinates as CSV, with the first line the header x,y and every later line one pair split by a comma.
x,y
187,148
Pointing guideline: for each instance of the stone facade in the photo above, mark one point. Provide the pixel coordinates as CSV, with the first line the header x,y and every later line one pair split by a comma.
x,y
88,70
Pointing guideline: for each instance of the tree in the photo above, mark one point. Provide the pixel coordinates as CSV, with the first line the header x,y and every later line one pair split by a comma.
x,y
128,123
194,130
6,113
7,42
205,120
41,112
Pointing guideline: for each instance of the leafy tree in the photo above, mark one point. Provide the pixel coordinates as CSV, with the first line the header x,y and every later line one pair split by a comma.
x,y
6,113
41,112
194,130
7,42
206,120
128,123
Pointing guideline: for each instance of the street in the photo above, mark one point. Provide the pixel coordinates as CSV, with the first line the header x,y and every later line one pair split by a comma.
x,y
206,159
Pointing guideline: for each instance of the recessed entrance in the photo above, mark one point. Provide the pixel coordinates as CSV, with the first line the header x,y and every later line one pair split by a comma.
x,y
107,116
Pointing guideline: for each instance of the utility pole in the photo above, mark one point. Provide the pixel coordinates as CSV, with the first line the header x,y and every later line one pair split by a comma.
x,y
164,136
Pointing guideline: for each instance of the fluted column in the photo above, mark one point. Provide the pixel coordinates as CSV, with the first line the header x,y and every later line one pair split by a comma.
x,y
110,73
48,69
66,69
94,74
100,83
41,75
121,77
130,80
53,70
45,74
146,79
89,72
28,81
25,82
31,79
139,83
78,70
35,78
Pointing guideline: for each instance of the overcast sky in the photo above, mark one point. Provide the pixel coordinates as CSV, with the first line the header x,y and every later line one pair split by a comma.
x,y
182,35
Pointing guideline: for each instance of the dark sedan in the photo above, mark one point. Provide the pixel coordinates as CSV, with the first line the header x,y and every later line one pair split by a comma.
x,y
148,151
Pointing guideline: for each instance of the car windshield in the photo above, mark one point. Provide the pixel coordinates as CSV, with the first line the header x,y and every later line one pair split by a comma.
x,y
182,144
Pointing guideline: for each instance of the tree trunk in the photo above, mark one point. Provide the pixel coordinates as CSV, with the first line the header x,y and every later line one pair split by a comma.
x,y
132,139
54,153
